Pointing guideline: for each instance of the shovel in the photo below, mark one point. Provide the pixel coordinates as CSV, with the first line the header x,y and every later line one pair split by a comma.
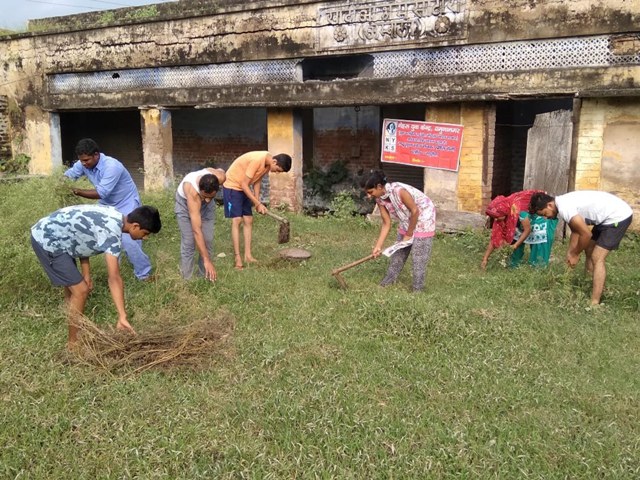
x,y
283,233
337,271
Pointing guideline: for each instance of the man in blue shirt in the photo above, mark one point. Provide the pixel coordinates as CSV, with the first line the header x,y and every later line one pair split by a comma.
x,y
113,187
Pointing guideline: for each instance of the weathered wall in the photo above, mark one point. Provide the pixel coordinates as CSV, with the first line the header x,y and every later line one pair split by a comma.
x,y
284,131
468,189
157,148
5,142
198,32
478,126
442,185
608,156
232,32
346,134
215,137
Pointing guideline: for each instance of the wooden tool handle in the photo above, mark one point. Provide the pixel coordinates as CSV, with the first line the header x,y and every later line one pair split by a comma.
x,y
353,264
277,217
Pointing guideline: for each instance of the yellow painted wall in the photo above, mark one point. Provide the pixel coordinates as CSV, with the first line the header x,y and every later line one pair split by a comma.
x,y
157,145
39,144
471,158
284,135
608,149
462,190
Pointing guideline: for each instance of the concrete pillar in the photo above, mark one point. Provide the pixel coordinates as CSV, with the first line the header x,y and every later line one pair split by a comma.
x,y
284,135
467,189
157,148
43,143
590,144
477,151
441,185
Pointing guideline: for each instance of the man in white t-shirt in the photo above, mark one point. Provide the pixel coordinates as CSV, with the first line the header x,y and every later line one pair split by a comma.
x,y
610,217
196,214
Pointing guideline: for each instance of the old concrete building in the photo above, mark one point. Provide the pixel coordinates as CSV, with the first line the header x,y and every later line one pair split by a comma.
x,y
547,90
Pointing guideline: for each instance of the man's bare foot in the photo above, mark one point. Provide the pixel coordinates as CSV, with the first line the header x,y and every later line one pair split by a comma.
x,y
238,261
250,259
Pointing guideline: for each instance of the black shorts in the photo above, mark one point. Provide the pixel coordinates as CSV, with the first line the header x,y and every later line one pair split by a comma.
x,y
61,267
609,236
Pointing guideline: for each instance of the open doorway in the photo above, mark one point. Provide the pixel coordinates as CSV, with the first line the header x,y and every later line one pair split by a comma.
x,y
117,133
514,120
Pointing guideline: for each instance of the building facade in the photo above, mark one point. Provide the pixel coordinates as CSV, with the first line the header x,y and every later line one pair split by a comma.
x,y
548,91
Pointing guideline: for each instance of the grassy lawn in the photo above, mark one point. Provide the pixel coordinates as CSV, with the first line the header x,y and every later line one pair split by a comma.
x,y
496,374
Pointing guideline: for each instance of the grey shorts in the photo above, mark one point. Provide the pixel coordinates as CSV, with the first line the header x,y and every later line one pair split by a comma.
x,y
609,236
61,268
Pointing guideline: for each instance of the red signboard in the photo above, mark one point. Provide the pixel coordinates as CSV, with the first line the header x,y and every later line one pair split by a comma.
x,y
421,144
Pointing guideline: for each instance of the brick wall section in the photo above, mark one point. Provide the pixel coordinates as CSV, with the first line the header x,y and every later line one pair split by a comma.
x,y
470,191
192,152
358,149
5,142
589,156
608,149
215,137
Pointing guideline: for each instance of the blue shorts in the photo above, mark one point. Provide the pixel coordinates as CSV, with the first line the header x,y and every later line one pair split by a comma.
x,y
236,203
61,268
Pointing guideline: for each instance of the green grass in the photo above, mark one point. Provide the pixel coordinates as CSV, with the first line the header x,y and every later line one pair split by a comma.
x,y
496,374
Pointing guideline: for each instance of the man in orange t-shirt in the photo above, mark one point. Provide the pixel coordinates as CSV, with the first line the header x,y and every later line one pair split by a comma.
x,y
241,190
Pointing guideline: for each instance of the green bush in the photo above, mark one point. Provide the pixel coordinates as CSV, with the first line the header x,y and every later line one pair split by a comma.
x,y
320,182
18,164
343,205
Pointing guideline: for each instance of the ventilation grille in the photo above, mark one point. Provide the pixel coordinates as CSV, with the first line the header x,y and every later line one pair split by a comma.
x,y
504,57
273,72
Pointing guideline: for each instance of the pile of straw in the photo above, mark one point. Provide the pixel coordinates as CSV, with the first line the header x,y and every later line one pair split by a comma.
x,y
167,346
62,190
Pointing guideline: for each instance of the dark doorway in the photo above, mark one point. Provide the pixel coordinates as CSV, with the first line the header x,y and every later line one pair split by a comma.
x,y
118,134
513,121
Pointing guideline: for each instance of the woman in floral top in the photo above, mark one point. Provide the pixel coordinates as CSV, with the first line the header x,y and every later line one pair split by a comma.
x,y
416,215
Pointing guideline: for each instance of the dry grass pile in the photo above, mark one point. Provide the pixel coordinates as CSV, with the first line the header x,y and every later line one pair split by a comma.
x,y
195,345
62,188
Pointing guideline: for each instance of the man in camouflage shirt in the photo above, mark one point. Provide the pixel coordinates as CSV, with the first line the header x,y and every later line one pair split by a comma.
x,y
80,232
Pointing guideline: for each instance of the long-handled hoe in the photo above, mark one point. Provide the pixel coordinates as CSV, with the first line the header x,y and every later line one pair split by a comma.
x,y
283,233
336,272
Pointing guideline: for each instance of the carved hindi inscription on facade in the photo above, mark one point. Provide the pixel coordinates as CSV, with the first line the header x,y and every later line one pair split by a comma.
x,y
388,22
